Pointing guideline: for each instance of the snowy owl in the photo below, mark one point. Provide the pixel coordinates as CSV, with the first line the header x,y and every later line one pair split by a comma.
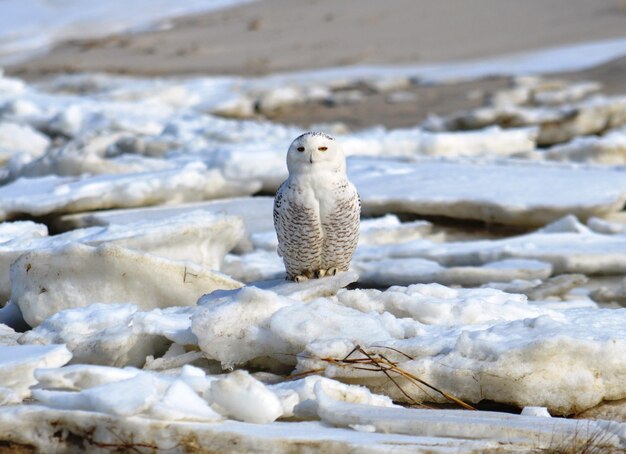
x,y
316,209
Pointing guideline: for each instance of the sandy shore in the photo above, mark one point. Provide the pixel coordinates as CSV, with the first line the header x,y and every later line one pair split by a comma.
x,y
282,35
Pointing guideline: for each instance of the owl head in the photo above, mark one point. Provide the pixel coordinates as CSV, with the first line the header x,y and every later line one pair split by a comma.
x,y
314,152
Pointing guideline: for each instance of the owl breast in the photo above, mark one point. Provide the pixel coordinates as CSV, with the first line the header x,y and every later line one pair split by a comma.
x,y
317,229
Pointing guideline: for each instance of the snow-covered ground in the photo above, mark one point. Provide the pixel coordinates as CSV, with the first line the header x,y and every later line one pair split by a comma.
x,y
147,308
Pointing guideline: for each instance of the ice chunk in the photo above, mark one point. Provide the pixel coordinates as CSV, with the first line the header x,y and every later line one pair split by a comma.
x,y
256,213
198,237
180,402
98,334
440,305
45,282
81,376
242,397
44,195
8,336
416,141
38,426
604,226
19,139
173,323
259,265
389,229
236,330
536,411
496,427
17,366
578,251
493,192
415,270
557,123
557,362
608,149
299,396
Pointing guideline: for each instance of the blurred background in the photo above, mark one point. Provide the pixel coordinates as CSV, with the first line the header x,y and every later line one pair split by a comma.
x,y
42,38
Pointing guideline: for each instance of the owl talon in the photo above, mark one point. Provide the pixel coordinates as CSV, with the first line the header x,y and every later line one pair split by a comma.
x,y
320,274
300,278
331,271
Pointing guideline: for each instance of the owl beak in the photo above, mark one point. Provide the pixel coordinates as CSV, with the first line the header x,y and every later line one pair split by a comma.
x,y
311,158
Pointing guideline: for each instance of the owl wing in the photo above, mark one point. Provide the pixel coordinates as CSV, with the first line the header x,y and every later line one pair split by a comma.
x,y
279,207
341,230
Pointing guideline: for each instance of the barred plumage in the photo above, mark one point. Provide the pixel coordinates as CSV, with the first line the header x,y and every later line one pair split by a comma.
x,y
316,210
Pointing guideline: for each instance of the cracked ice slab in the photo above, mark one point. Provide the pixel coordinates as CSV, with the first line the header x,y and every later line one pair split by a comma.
x,y
415,270
17,366
44,282
574,251
476,344
36,425
504,192
505,429
196,236
556,360
53,194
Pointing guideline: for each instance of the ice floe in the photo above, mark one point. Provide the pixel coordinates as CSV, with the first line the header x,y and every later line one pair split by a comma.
x,y
581,251
508,193
608,149
44,282
197,236
98,334
18,365
557,124
406,271
44,195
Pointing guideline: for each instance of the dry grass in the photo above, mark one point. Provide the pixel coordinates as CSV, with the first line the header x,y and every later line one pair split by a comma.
x,y
377,362
584,440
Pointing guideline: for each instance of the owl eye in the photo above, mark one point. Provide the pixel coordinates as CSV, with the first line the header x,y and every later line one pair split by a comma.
x,y
323,148
300,149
